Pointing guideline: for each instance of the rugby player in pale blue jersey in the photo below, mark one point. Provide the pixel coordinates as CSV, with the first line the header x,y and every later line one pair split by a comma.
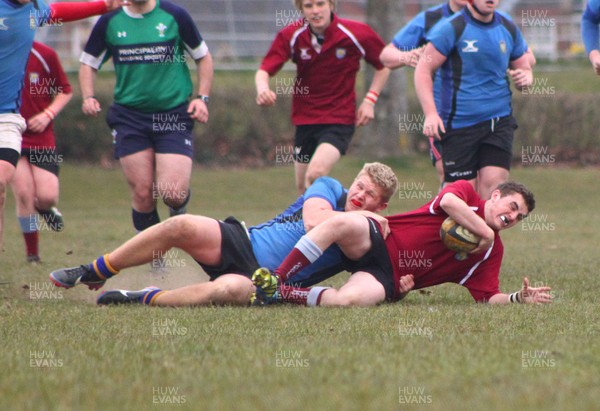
x,y
479,50
406,48
590,33
19,20
228,253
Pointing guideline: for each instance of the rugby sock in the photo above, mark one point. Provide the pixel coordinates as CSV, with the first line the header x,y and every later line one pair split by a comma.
x,y
304,253
303,296
30,234
150,296
101,266
141,221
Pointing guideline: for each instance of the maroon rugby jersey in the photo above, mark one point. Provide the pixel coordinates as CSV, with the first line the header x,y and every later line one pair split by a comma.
x,y
325,80
415,247
44,77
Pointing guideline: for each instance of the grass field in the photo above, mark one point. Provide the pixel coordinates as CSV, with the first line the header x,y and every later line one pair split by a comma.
x,y
432,351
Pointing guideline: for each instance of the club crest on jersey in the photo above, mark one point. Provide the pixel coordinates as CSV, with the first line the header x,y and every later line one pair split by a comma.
x,y
470,47
503,46
3,25
161,29
304,53
34,78
340,53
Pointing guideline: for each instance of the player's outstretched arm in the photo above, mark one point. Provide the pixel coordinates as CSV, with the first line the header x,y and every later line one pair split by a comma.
x,y
527,295
71,11
393,58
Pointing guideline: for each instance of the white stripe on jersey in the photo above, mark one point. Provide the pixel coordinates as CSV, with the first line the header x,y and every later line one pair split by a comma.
x,y
472,270
354,39
92,61
41,59
199,52
295,37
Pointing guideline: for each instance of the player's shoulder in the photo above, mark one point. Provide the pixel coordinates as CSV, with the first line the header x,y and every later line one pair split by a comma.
x,y
505,18
43,49
107,17
353,25
593,5
327,182
175,10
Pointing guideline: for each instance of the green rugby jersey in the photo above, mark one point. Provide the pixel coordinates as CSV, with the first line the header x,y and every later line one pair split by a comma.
x,y
148,53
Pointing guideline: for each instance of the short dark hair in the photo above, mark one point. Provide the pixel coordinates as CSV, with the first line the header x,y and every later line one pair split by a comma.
x,y
511,187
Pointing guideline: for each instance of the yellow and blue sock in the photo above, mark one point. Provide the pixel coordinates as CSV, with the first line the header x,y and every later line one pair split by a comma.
x,y
101,266
150,296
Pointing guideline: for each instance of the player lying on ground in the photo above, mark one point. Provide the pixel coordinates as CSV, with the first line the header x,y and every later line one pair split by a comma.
x,y
227,252
379,256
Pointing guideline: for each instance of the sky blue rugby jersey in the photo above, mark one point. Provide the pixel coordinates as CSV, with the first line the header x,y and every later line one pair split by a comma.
x,y
589,26
18,23
272,241
413,35
475,86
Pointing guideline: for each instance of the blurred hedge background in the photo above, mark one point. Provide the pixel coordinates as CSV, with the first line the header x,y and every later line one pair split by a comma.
x,y
559,116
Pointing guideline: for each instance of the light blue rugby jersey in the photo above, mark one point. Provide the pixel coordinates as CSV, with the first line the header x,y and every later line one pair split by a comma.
x,y
475,86
273,240
18,23
589,26
413,35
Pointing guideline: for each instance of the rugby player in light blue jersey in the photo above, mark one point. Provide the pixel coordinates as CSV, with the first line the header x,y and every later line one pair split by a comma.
x,y
228,253
406,48
479,50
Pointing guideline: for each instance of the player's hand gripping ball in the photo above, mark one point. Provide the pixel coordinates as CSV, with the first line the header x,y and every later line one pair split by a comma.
x,y
457,238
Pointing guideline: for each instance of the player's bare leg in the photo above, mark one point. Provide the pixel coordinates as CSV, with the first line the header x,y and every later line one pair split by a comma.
x,y
349,231
324,158
361,290
7,171
173,174
198,236
227,289
300,176
139,172
23,187
488,179
46,188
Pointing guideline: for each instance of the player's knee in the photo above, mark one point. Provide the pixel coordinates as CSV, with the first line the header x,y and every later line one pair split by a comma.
x,y
179,228
346,299
232,292
312,174
174,198
45,202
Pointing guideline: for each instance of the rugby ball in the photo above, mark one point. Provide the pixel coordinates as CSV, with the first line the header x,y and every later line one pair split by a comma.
x,y
457,238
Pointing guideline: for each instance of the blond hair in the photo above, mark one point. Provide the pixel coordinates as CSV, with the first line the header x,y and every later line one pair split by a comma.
x,y
383,176
298,4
